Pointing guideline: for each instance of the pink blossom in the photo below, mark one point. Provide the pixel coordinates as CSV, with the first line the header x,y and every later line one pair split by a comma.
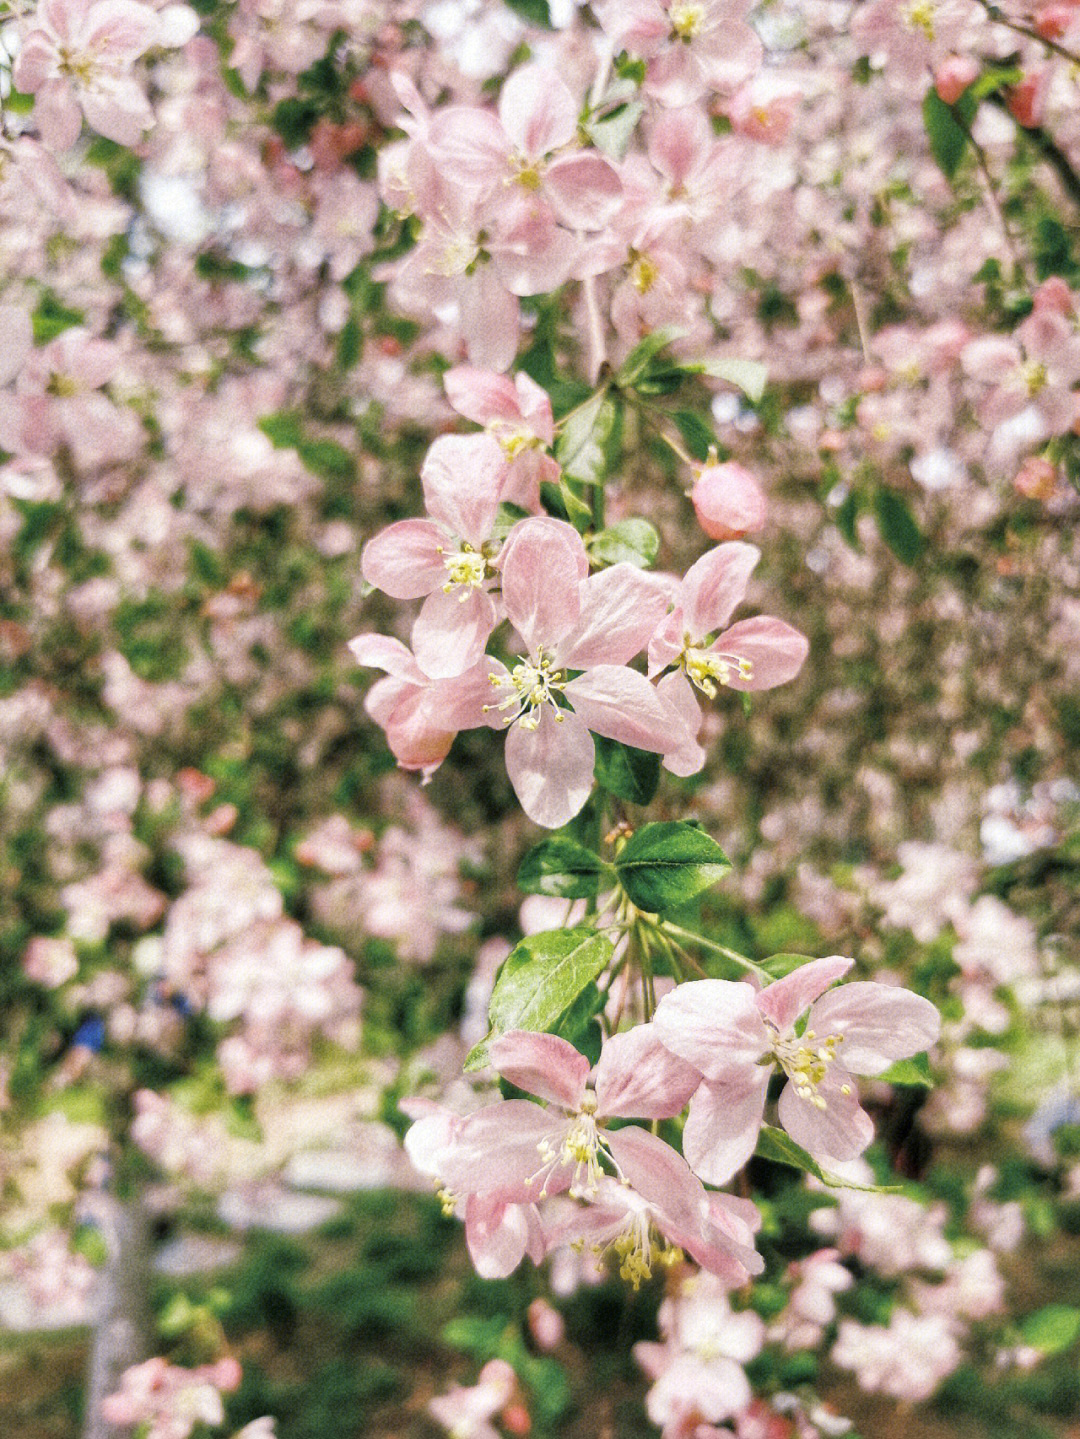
x,y
755,654
517,413
570,620
691,47
419,715
465,1412
733,1035
449,558
77,57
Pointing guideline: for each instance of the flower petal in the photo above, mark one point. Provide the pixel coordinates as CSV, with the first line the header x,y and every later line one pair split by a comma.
x,y
878,1022
620,608
836,1127
639,1077
551,767
404,560
543,562
783,1001
622,705
541,1064
451,631
714,1024
724,1122
715,585
463,477
776,651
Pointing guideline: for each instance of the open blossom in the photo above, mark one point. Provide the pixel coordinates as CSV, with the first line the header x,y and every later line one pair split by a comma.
x,y
76,59
755,654
571,621
692,46
420,716
449,557
698,1373
466,1412
734,1035
509,1155
517,413
170,1400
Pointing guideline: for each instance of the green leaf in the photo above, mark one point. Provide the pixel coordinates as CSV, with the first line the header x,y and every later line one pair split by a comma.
x,y
540,980
51,318
913,1072
284,429
779,965
697,436
327,459
350,344
664,866
563,868
633,541
750,376
1053,1329
637,361
948,128
613,132
847,514
561,501
897,526
536,12
578,1025
630,774
579,446
778,1147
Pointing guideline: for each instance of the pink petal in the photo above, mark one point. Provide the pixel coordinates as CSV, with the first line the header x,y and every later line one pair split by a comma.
x,y
35,62
57,115
495,1152
584,190
117,108
537,110
785,999
16,340
468,144
463,478
620,608
715,1025
622,705
383,652
490,317
551,767
123,29
542,563
879,1023
541,1064
405,560
497,1235
723,1124
481,396
535,407
451,631
677,691
637,1077
775,650
679,141
715,585
840,1130
417,730
666,645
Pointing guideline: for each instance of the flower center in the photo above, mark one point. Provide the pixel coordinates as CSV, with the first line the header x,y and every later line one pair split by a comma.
x,y
709,668
805,1060
532,685
686,20
639,1246
643,274
578,1147
459,256
62,385
919,15
466,570
526,173
1035,376
79,65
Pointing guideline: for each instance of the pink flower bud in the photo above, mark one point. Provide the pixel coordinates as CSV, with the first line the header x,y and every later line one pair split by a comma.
x,y
1026,101
1036,479
1054,294
953,76
545,1325
728,502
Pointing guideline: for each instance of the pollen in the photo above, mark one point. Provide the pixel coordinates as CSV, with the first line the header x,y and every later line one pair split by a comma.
x,y
805,1060
709,669
920,15
686,20
533,683
466,570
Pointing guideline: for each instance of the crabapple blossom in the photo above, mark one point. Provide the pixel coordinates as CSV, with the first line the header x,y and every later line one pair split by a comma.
x,y
570,620
734,1035
448,558
728,501
76,59
753,654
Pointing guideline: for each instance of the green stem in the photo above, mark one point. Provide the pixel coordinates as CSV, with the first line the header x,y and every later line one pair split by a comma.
x,y
677,932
